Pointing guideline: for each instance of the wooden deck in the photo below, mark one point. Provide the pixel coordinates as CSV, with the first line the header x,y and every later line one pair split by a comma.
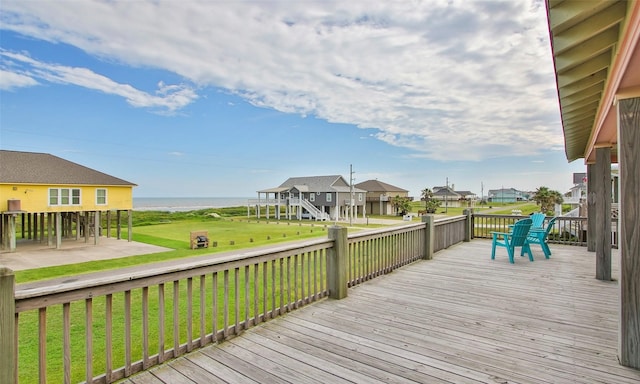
x,y
460,318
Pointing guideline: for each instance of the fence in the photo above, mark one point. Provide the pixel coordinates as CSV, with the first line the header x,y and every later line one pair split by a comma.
x,y
100,330
567,230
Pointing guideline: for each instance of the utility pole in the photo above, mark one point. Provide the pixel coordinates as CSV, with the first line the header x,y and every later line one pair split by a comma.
x,y
351,200
446,198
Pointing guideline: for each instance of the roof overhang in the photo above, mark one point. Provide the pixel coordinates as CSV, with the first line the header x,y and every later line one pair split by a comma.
x,y
597,62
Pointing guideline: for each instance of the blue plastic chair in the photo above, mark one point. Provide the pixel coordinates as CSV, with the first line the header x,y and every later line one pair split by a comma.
x,y
511,240
541,237
538,220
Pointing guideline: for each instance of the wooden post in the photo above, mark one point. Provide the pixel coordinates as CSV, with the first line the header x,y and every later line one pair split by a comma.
x,y
58,217
119,224
629,239
50,229
429,237
337,263
591,208
11,232
8,353
603,213
130,225
96,227
468,228
108,224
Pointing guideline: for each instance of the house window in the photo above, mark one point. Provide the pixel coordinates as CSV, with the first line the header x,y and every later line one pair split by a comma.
x,y
101,196
312,197
328,197
64,196
359,196
53,196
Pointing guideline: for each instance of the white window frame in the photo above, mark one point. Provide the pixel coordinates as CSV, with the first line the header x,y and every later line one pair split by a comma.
x,y
360,196
106,201
64,196
312,197
328,197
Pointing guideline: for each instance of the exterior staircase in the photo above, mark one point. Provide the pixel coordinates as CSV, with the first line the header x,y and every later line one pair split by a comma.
x,y
316,213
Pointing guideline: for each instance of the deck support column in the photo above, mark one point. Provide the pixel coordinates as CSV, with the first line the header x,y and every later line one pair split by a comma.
x,y
629,239
337,263
603,213
58,225
96,227
591,208
129,225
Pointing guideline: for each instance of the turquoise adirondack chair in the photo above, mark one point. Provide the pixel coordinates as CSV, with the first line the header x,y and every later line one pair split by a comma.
x,y
511,240
538,220
541,237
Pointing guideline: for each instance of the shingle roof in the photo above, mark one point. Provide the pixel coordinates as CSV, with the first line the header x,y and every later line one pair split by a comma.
x,y
43,168
318,184
376,185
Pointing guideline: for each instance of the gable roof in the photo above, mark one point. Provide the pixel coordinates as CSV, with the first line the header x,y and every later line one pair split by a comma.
x,y
317,184
43,168
376,185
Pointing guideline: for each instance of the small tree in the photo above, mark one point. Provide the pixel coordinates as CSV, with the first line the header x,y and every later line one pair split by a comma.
x,y
402,205
430,205
546,199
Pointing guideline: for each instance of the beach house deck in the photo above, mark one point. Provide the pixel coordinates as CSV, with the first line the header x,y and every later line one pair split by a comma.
x,y
422,302
459,318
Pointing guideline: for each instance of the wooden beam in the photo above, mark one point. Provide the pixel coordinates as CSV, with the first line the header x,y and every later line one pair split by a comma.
x,y
629,243
591,208
603,213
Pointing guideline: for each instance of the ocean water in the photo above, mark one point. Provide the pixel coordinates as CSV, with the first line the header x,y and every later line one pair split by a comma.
x,y
180,204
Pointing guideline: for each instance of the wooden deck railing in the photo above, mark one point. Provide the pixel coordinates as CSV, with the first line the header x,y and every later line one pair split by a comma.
x,y
102,329
567,230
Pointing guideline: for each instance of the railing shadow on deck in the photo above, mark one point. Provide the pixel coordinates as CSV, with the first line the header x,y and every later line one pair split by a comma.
x,y
104,329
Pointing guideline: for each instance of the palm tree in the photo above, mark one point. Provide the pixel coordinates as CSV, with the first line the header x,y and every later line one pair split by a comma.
x,y
546,199
430,205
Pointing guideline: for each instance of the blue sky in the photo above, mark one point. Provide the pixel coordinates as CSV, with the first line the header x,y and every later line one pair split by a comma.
x,y
221,99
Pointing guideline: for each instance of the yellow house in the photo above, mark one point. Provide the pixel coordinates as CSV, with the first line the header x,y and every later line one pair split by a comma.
x,y
50,196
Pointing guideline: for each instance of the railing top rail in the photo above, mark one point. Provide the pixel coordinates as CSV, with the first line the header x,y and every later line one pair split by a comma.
x,y
450,219
390,230
166,272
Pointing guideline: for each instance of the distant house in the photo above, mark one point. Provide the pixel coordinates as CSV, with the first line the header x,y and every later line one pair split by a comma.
x,y
313,197
449,197
54,196
380,195
507,195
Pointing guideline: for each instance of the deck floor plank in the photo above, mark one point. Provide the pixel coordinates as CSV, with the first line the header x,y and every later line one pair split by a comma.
x,y
459,318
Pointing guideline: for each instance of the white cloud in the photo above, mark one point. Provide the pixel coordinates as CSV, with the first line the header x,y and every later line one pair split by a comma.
x,y
447,79
168,97
12,80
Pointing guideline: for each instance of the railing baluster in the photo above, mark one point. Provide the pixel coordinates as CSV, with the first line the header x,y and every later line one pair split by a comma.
x,y
203,319
273,289
160,323
281,287
295,281
42,344
127,333
236,295
226,304
189,314
145,327
108,336
214,312
247,297
89,339
176,318
66,342
256,294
